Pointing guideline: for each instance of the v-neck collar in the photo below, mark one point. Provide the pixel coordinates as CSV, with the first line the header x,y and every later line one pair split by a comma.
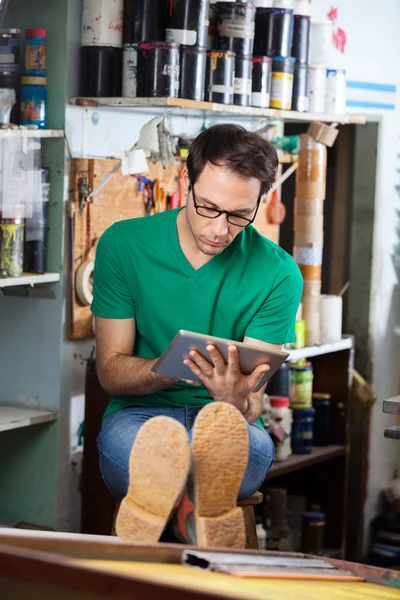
x,y
219,259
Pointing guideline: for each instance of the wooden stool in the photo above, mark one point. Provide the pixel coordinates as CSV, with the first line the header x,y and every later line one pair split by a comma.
x,y
249,519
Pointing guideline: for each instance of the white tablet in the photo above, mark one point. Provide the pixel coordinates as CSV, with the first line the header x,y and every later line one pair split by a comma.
x,y
171,361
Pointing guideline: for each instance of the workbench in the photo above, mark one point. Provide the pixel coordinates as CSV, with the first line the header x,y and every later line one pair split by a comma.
x,y
41,565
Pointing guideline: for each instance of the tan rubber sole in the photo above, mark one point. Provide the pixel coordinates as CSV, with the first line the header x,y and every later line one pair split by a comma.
x,y
158,468
220,453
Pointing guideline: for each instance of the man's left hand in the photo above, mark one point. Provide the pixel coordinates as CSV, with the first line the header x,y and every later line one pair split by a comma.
x,y
225,382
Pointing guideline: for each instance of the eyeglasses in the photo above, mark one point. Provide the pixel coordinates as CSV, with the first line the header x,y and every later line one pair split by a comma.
x,y
214,213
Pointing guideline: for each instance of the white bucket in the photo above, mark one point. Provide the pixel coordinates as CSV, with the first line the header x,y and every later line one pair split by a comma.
x,y
129,71
102,23
320,42
316,88
331,319
335,98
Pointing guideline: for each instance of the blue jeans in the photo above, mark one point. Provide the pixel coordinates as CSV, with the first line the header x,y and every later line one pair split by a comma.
x,y
119,430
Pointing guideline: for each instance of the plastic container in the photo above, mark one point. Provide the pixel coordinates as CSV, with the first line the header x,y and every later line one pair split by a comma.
x,y
301,384
12,247
35,52
313,532
322,419
281,426
282,82
302,431
34,101
331,318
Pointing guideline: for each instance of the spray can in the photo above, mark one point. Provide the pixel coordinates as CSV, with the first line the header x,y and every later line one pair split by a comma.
x,y
188,23
219,77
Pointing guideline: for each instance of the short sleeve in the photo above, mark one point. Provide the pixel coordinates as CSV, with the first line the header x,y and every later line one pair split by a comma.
x,y
274,322
112,298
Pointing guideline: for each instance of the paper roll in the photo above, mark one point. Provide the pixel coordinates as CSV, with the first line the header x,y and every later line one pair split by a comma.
x,y
311,272
331,319
312,287
310,239
311,190
310,224
312,317
309,207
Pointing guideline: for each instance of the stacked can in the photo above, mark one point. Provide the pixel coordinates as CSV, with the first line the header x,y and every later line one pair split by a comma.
x,y
101,48
321,41
234,33
300,51
34,81
308,229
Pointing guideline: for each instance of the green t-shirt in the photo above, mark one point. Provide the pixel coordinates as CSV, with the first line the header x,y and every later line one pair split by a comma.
x,y
252,288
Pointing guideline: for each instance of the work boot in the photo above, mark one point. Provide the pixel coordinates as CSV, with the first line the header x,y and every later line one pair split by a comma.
x,y
208,515
158,469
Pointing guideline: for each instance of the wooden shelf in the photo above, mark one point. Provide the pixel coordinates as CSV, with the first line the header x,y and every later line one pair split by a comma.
x,y
15,417
302,461
212,107
344,344
32,133
29,279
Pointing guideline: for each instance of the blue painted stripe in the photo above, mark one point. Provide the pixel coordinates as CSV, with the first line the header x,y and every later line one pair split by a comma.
x,y
365,85
359,104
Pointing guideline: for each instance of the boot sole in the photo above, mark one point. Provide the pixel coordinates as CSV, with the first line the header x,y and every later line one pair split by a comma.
x,y
220,455
158,468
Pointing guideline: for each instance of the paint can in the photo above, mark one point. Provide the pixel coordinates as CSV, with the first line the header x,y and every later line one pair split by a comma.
x,y
129,71
144,20
335,98
302,7
193,73
261,81
278,385
320,42
12,247
322,404
242,80
235,25
301,37
10,79
301,385
299,96
102,23
263,3
302,431
286,4
101,72
34,101
9,46
331,319
220,74
282,82
262,30
316,88
158,70
280,33
188,23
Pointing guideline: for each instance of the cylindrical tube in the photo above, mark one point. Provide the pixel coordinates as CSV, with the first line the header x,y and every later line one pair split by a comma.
x,y
102,22
331,319
309,207
235,24
158,70
188,23
335,98
301,37
34,101
242,81
312,288
316,88
312,314
101,71
311,170
282,82
129,71
12,247
280,33
302,431
144,20
261,81
299,95
308,240
262,31
219,77
35,52
193,73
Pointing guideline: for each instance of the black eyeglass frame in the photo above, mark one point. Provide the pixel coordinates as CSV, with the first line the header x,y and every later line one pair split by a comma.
x,y
224,212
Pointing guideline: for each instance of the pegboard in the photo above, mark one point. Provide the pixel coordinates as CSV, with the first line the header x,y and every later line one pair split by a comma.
x,y
119,199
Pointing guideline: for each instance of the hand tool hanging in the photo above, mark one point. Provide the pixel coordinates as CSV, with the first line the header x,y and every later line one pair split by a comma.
x,y
84,274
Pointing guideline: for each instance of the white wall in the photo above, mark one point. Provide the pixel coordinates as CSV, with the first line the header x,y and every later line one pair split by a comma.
x,y
372,53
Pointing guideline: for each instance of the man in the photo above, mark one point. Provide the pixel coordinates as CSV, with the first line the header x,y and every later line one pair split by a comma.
x,y
202,268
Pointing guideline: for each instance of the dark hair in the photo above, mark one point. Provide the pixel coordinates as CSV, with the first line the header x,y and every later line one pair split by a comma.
x,y
244,153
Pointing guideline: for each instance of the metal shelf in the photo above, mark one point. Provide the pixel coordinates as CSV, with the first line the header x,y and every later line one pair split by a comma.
x,y
344,344
29,279
15,417
31,133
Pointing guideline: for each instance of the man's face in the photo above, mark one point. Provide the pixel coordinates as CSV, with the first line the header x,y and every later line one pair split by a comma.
x,y
219,188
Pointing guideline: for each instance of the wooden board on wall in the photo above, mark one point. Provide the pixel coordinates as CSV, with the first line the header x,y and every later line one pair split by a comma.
x,y
119,199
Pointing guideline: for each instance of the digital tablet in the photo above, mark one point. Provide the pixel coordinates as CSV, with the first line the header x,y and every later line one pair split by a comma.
x,y
171,361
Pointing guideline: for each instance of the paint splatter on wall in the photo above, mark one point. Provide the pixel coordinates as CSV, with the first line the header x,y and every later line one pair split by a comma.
x,y
339,36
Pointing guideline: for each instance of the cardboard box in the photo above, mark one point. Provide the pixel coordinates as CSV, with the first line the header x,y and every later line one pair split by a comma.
x,y
323,133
